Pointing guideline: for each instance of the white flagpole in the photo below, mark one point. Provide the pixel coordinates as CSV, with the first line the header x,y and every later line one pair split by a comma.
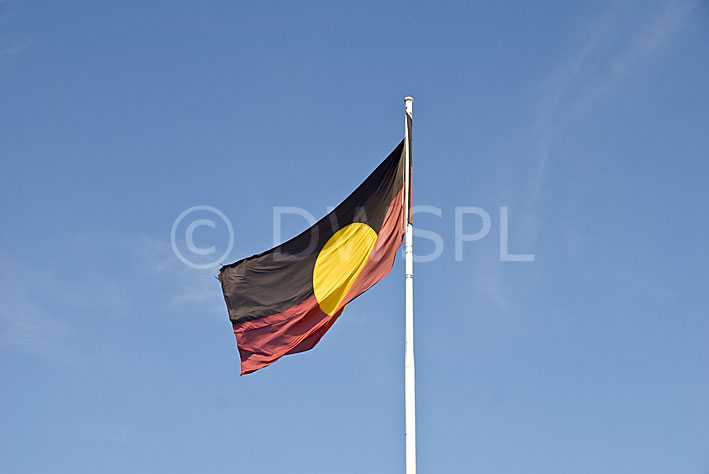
x,y
409,371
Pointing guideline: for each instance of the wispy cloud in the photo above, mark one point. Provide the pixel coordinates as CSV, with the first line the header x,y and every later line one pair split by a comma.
x,y
14,48
13,51
109,278
190,287
611,50
26,325
609,55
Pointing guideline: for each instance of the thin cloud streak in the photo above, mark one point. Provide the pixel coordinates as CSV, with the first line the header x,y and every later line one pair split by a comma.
x,y
25,325
190,286
39,311
604,61
14,50
608,56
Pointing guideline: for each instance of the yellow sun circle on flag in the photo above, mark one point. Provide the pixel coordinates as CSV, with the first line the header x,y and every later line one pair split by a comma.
x,y
339,262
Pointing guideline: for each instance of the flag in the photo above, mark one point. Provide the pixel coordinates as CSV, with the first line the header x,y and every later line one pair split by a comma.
x,y
284,300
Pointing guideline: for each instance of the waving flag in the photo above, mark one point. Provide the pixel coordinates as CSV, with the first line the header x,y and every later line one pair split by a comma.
x,y
284,300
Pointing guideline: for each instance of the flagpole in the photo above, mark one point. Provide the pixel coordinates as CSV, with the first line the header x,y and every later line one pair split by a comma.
x,y
409,371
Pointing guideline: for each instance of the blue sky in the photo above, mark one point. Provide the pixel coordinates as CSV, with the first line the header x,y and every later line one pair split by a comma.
x,y
588,120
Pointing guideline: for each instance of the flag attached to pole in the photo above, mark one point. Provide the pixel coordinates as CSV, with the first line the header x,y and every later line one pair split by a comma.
x,y
284,300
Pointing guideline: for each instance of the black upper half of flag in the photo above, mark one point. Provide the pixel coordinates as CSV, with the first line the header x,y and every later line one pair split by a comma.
x,y
280,278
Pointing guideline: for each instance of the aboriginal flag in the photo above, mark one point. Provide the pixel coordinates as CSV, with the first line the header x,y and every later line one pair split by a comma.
x,y
284,300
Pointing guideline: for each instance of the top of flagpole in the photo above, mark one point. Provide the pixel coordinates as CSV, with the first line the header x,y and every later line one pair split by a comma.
x,y
408,100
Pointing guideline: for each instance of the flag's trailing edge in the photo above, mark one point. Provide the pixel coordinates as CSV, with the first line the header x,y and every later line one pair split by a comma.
x,y
282,301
